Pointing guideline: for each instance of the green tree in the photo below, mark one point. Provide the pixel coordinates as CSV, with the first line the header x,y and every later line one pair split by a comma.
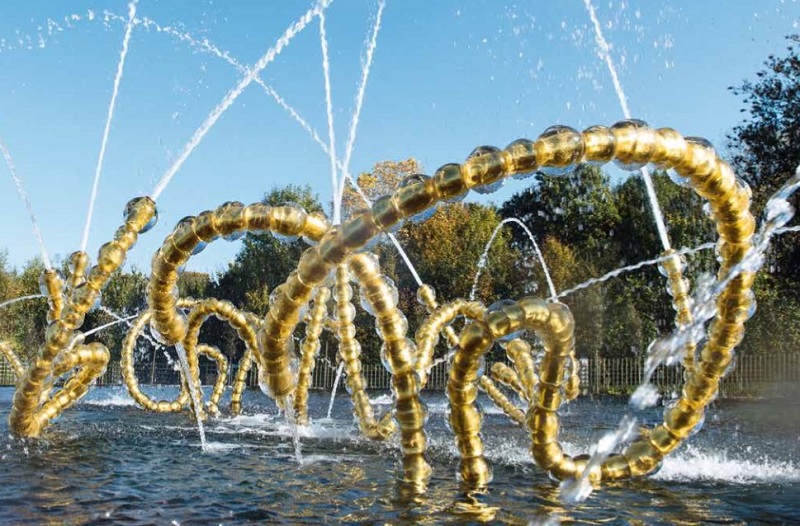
x,y
29,318
578,209
446,249
263,263
765,150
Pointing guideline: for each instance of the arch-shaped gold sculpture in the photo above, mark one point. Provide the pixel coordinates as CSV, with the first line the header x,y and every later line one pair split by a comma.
x,y
325,270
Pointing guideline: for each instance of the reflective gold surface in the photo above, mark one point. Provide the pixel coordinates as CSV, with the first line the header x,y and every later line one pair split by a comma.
x,y
325,269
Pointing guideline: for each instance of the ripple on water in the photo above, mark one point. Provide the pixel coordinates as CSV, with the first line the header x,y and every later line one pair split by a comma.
x,y
116,463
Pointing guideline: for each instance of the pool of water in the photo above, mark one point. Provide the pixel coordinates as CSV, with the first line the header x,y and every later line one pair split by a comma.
x,y
107,461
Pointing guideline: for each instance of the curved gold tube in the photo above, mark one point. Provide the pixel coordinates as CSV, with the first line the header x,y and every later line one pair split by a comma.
x,y
129,374
439,320
678,287
465,417
427,296
519,352
240,322
29,412
229,219
309,349
714,180
503,374
52,287
506,376
399,353
350,354
240,381
512,411
212,406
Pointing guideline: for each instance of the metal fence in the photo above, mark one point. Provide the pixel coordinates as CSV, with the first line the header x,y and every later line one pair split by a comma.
x,y
761,375
753,375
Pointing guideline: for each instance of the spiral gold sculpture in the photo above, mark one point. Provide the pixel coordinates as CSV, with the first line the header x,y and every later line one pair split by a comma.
x,y
327,269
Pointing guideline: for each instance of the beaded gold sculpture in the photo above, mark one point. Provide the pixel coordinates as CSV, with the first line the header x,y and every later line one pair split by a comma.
x,y
326,270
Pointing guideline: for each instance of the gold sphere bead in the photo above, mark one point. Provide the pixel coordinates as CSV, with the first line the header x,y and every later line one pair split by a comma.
x,y
559,146
599,143
449,182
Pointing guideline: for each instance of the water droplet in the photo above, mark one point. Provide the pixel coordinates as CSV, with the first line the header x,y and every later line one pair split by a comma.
x,y
283,238
751,308
679,180
365,304
234,236
490,188
708,211
385,359
698,426
730,368
199,248
274,295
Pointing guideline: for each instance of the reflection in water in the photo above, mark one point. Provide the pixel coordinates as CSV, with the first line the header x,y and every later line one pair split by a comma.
x,y
111,461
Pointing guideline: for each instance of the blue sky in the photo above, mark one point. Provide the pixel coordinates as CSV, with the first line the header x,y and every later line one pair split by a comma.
x,y
447,76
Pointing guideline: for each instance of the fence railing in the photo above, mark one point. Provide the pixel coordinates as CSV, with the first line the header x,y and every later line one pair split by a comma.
x,y
753,375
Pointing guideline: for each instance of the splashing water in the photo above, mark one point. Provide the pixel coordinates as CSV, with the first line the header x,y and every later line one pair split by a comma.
x,y
194,390
605,54
49,29
326,70
25,199
351,138
485,256
292,421
21,298
339,372
578,489
126,321
693,464
777,212
107,130
232,95
446,358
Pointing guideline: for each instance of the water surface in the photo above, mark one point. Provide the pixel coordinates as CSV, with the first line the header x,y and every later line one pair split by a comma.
x,y
108,462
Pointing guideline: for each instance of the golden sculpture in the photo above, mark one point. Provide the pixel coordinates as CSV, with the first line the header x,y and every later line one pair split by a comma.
x,y
325,269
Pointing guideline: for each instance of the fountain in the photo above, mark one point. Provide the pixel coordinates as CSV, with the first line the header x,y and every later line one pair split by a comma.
x,y
334,252
336,262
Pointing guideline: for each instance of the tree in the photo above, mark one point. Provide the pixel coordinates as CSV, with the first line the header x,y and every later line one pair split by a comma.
x,y
265,261
682,209
447,247
382,180
578,209
28,318
765,150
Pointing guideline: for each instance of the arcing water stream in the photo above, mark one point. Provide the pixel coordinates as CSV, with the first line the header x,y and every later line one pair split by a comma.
x,y
28,206
484,257
605,55
107,130
232,95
